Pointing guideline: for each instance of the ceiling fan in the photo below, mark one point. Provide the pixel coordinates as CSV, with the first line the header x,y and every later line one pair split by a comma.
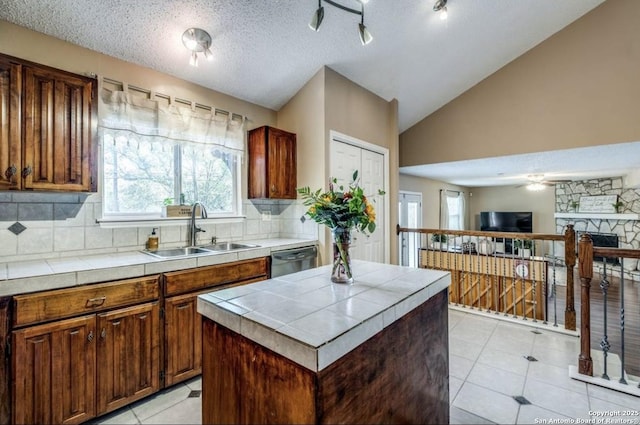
x,y
537,182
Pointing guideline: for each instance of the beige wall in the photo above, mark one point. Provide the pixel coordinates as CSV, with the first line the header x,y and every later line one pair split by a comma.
x,y
509,198
355,111
40,48
578,88
37,47
304,115
328,102
430,190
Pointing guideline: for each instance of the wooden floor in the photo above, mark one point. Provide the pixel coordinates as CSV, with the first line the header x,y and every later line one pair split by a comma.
x,y
631,317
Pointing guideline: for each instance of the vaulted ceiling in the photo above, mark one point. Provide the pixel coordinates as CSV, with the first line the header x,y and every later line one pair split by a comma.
x,y
264,51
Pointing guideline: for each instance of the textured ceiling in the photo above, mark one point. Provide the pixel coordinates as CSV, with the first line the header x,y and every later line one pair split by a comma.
x,y
265,52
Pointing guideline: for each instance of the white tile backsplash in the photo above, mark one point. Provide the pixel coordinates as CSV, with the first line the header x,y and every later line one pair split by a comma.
x,y
68,238
83,235
97,237
35,241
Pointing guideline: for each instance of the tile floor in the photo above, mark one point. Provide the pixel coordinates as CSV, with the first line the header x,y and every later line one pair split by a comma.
x,y
488,368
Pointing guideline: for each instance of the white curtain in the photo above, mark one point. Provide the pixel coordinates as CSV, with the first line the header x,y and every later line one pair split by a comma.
x,y
452,210
135,117
444,210
463,211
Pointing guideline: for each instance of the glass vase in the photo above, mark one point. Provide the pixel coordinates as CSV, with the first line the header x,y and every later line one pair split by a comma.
x,y
341,271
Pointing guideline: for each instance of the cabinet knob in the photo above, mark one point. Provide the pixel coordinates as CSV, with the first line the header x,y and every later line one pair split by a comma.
x,y
26,171
103,334
90,336
273,187
10,172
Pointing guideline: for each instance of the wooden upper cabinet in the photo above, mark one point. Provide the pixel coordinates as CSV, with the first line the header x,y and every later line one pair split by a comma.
x,y
10,129
272,164
57,142
47,128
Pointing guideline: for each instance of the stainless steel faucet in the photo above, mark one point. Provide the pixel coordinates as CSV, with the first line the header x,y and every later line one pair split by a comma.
x,y
193,229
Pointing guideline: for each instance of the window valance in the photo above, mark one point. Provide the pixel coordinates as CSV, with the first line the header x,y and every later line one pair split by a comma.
x,y
140,118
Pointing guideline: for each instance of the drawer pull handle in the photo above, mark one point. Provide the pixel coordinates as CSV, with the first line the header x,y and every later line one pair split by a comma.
x,y
90,336
96,302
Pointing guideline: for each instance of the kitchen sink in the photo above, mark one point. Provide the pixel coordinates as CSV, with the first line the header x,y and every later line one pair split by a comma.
x,y
178,252
228,246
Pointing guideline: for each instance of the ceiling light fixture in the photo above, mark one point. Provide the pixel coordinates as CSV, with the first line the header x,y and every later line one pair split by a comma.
x,y
536,187
441,6
198,41
363,32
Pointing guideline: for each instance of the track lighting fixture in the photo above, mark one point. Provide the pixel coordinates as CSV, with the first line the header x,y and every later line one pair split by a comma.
x,y
198,41
441,7
363,32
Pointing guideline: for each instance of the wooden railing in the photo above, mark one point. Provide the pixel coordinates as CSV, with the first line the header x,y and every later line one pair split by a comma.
x,y
613,279
494,276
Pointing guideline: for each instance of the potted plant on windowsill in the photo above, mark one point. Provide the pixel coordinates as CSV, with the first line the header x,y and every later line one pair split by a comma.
x,y
524,247
438,241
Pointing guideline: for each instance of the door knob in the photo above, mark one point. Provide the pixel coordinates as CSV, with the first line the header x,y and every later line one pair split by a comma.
x,y
26,171
10,172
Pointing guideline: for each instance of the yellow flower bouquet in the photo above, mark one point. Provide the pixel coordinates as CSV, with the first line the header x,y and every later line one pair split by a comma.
x,y
341,210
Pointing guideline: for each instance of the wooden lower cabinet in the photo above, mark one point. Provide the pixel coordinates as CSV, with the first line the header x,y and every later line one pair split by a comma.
x,y
72,369
183,332
54,372
183,323
128,364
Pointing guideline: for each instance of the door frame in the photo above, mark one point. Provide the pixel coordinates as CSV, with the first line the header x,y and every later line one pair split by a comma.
x,y
340,137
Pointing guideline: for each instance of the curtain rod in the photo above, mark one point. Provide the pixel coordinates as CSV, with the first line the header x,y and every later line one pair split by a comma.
x,y
171,99
452,191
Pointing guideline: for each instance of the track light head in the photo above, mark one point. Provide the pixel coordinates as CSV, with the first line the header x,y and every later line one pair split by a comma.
x,y
318,16
365,35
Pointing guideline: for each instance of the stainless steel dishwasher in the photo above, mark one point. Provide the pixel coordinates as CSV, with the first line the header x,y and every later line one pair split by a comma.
x,y
293,260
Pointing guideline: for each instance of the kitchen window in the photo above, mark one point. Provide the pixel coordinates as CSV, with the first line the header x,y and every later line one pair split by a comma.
x,y
155,155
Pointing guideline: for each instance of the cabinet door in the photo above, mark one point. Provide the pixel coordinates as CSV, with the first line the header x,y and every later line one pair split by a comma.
x,y
282,164
183,335
54,371
10,130
58,119
272,164
128,355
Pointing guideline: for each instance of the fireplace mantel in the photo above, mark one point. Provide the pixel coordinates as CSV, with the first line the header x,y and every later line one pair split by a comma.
x,y
598,216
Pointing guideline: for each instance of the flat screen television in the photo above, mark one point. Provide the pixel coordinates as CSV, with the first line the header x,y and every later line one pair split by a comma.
x,y
502,221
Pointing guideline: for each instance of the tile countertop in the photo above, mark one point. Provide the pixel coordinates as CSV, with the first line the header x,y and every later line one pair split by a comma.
x,y
54,273
314,322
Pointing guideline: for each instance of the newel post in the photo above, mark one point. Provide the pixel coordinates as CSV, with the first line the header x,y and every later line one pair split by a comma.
x,y
585,256
570,262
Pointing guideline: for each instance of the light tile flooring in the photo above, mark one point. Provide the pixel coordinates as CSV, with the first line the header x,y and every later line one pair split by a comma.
x,y
488,368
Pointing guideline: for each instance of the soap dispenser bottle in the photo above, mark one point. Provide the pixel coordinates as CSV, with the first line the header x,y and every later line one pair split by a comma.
x,y
152,242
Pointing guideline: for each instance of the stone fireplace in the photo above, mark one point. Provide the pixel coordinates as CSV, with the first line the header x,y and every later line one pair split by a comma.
x,y
625,226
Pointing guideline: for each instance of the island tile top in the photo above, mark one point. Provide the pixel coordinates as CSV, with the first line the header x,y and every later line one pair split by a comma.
x,y
312,321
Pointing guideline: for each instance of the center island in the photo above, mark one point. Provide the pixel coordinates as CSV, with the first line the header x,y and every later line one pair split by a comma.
x,y
301,349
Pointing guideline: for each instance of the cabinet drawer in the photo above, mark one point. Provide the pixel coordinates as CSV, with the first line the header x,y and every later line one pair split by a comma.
x,y
61,303
203,277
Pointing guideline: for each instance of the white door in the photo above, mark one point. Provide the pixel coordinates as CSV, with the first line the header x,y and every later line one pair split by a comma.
x,y
372,175
410,216
345,159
